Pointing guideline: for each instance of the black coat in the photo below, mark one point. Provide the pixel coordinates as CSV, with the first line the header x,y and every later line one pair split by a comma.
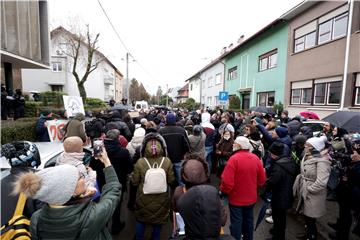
x,y
177,142
41,131
120,159
281,176
200,208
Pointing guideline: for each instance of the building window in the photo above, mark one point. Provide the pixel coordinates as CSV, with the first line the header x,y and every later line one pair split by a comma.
x,y
268,60
334,92
320,91
218,79
295,96
210,82
56,66
325,31
306,95
340,26
191,87
333,28
266,99
327,93
203,83
232,73
56,88
357,96
216,100
209,99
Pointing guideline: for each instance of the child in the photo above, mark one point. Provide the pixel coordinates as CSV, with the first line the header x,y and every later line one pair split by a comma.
x,y
74,155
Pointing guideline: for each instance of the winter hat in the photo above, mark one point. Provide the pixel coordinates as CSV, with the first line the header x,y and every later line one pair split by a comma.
x,y
197,130
54,185
243,142
143,121
286,112
281,132
300,139
277,149
194,172
139,132
170,119
317,142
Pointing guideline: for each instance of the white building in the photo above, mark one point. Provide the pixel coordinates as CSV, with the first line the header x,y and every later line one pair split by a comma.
x,y
101,83
206,84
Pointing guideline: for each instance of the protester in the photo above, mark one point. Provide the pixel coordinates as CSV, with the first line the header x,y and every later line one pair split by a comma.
x,y
279,184
310,184
204,219
73,154
110,126
294,126
57,186
210,132
115,117
22,157
152,209
42,133
284,118
4,103
197,142
242,176
122,163
297,151
177,143
223,151
327,131
75,127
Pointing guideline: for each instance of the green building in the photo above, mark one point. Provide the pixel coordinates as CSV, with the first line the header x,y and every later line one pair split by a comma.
x,y
256,68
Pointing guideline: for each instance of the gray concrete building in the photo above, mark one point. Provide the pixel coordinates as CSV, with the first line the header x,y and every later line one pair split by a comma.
x,y
316,57
24,39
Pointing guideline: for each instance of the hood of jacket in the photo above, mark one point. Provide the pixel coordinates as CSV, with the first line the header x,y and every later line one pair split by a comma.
x,y
306,131
136,141
156,136
111,145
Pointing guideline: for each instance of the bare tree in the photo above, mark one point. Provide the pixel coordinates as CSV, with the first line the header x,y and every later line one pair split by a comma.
x,y
84,60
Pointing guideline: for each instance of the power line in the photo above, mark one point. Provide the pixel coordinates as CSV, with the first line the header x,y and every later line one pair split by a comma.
x,y
122,42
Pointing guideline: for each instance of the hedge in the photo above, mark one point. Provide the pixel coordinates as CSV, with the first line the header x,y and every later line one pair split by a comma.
x,y
21,129
95,102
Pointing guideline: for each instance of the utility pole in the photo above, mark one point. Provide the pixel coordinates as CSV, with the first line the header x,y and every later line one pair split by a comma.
x,y
127,85
167,97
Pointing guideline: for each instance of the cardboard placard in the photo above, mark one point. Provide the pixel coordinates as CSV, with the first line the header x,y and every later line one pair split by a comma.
x,y
73,105
54,129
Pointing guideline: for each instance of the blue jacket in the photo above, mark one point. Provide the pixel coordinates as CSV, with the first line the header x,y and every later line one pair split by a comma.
x,y
41,131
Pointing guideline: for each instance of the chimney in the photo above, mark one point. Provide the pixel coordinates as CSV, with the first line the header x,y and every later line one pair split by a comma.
x,y
230,46
223,50
241,39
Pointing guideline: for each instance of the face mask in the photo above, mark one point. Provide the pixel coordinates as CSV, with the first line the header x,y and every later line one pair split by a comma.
x,y
226,137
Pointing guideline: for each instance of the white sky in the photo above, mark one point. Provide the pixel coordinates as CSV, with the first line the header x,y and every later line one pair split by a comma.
x,y
171,39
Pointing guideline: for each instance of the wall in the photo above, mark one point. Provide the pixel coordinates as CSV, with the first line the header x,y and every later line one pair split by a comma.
x,y
213,90
195,92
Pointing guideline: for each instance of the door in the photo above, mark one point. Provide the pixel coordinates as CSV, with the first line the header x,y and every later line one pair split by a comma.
x,y
245,101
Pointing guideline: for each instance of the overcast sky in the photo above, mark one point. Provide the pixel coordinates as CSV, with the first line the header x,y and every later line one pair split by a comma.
x,y
170,39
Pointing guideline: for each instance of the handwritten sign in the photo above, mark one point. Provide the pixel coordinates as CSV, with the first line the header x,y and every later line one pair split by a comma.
x,y
54,128
73,105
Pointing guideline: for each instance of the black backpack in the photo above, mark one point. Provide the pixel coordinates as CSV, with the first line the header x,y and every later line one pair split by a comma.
x,y
256,150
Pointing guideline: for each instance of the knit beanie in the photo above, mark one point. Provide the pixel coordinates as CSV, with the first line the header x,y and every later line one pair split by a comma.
x,y
170,119
277,149
281,132
317,142
139,132
243,142
53,185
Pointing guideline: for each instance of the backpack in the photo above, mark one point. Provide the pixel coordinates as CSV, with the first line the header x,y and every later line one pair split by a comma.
x,y
155,179
256,150
18,226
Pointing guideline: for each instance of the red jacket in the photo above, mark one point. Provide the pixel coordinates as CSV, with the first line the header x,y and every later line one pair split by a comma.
x,y
243,174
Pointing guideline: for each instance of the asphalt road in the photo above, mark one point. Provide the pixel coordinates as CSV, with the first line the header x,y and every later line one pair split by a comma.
x,y
295,224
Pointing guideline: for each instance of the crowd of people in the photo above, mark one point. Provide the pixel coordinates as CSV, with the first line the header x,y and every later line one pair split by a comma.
x,y
164,159
12,105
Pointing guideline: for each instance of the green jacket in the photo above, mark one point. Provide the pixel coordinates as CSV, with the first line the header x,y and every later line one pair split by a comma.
x,y
80,221
152,208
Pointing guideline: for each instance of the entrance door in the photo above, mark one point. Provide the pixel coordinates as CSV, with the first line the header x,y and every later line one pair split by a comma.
x,y
245,101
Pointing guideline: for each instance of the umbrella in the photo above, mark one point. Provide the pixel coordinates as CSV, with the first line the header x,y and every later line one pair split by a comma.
x,y
121,107
310,115
262,213
262,109
345,119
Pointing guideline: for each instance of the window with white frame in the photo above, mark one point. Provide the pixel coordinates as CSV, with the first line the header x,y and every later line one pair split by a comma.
x,y
301,92
232,73
191,87
331,26
218,79
56,66
268,60
327,91
357,89
209,101
216,101
266,99
203,83
210,82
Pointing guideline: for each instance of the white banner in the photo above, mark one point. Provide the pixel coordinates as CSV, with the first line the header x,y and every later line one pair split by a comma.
x,y
73,105
54,129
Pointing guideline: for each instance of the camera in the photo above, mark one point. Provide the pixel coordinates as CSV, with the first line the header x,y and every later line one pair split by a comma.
x,y
98,145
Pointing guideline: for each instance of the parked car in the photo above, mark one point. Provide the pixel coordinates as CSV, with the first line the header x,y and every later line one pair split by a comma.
x,y
315,125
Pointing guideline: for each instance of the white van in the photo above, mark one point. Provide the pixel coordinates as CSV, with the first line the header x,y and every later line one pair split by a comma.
x,y
141,105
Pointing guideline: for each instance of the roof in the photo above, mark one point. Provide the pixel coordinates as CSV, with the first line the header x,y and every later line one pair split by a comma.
x,y
184,88
61,29
295,11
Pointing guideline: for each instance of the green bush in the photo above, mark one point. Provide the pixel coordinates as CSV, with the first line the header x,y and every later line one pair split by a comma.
x,y
32,108
95,102
19,130
234,102
278,108
52,98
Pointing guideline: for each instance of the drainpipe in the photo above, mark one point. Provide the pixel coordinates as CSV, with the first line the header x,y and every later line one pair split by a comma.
x,y
347,50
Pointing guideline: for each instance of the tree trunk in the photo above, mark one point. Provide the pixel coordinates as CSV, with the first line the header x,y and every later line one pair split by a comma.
x,y
82,92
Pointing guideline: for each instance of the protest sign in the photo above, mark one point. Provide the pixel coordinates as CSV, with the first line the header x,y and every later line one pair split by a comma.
x,y
73,105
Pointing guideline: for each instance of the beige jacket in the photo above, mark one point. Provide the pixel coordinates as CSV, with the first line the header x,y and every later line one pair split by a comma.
x,y
310,186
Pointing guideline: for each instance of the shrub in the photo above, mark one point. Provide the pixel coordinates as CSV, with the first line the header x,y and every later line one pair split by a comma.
x,y
234,102
278,108
95,102
19,130
52,98
32,108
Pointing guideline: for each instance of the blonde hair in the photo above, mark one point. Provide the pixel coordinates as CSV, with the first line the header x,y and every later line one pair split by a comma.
x,y
73,144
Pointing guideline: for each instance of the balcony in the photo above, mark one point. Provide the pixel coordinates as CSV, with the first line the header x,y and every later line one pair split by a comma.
x,y
109,80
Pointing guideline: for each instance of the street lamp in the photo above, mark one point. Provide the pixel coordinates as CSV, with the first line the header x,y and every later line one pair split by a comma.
x,y
127,81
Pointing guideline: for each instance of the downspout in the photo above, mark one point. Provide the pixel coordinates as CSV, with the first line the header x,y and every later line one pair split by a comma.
x,y
347,50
